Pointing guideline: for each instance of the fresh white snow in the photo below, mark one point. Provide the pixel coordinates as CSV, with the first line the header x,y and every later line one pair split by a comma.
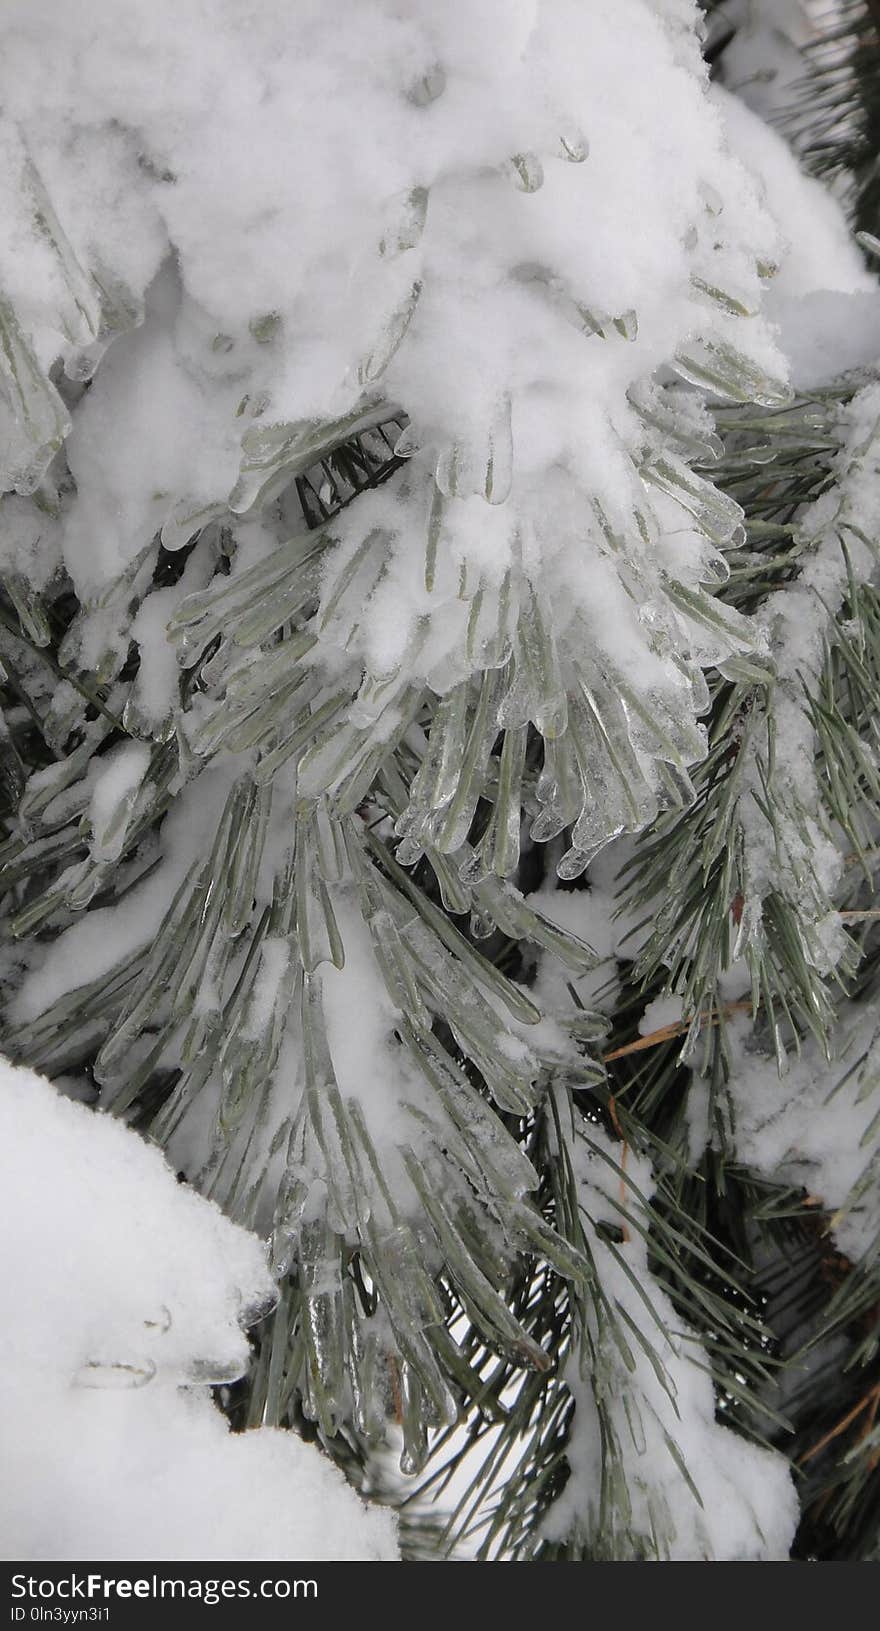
x,y
126,1295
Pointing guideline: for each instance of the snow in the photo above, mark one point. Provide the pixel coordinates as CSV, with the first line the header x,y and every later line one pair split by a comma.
x,y
815,1129
113,794
742,1506
763,62
427,224
127,1294
155,693
144,401
818,251
104,938
274,963
823,298
799,858
586,913
827,334
663,1011
30,543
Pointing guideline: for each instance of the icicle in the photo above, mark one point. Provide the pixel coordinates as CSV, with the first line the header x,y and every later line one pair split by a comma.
x,y
317,932
33,418
348,585
526,171
536,649
720,368
273,454
453,828
499,849
374,365
407,216
320,1282
485,467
